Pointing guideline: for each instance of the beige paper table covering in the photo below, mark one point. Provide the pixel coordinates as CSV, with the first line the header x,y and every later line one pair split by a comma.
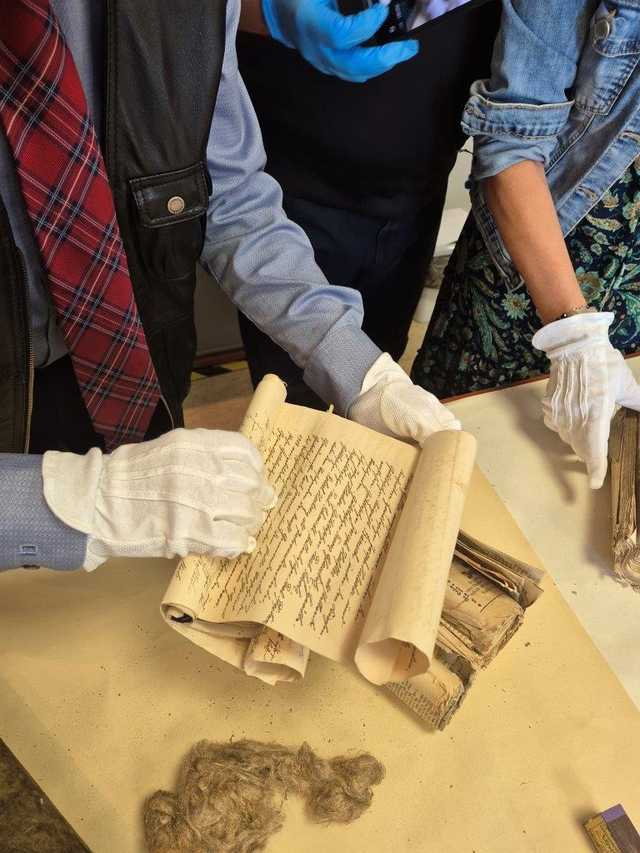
x,y
545,488
100,701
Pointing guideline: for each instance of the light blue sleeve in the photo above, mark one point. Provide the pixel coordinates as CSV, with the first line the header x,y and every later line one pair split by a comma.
x,y
30,534
265,263
519,112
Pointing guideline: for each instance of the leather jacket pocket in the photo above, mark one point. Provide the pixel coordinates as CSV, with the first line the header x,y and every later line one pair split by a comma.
x,y
611,53
171,207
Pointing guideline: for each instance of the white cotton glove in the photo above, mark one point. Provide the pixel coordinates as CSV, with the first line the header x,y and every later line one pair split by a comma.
x,y
390,403
189,492
588,378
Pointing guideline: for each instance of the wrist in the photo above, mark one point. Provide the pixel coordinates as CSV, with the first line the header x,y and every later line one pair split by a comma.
x,y
581,308
563,299
384,370
575,333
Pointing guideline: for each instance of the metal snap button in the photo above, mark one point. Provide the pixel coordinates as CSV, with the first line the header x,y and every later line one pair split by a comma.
x,y
175,204
602,29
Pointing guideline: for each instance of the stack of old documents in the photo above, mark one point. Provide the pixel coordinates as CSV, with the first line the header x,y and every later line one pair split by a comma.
x,y
487,594
625,487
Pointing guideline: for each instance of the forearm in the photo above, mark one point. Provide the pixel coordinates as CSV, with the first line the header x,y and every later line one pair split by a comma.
x,y
251,18
30,534
265,262
523,209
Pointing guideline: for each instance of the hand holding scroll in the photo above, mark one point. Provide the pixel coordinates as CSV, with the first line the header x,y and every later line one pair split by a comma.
x,y
390,403
191,491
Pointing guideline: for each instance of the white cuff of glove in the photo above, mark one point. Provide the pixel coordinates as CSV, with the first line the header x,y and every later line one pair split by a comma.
x,y
390,403
573,334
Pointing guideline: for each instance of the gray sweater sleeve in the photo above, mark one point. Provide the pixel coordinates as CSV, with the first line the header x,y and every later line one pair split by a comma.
x,y
30,534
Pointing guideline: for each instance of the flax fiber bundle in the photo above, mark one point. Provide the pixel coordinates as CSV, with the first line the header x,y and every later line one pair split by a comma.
x,y
230,795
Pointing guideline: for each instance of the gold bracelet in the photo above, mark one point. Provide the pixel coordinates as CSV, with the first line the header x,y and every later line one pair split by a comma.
x,y
581,309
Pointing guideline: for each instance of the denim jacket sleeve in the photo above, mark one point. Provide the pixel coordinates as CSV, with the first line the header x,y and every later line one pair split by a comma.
x,y
519,112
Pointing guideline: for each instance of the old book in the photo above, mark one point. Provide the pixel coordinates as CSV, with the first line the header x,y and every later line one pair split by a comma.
x,y
625,488
612,832
353,561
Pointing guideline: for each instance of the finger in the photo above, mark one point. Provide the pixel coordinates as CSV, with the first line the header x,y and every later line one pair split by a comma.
x,y
263,496
240,477
630,398
211,446
238,508
371,62
234,445
268,497
224,539
596,447
597,473
343,32
443,417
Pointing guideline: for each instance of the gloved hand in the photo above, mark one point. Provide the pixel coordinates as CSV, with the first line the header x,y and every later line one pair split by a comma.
x,y
390,403
189,492
330,41
588,378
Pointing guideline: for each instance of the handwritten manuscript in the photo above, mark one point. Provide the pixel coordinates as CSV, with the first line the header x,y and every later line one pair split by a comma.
x,y
355,563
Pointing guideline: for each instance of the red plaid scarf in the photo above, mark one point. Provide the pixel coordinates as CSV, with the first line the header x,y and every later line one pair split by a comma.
x,y
67,194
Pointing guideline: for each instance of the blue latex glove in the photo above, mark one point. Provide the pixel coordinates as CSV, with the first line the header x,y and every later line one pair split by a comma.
x,y
331,41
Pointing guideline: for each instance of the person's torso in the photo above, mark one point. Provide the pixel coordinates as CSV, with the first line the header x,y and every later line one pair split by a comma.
x,y
156,119
381,146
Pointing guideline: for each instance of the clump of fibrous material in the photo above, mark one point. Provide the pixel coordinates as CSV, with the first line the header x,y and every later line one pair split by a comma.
x,y
230,795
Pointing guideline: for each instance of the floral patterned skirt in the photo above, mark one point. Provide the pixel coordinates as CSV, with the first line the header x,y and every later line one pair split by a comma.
x,y
480,333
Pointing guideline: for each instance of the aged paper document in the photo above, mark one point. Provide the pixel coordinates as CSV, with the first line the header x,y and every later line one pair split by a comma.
x,y
352,563
485,601
625,488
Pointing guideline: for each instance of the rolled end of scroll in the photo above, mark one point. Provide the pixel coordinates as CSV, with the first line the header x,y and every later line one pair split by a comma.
x,y
401,627
390,660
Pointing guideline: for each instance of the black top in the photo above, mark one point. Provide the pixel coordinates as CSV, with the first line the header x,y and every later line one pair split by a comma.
x,y
383,147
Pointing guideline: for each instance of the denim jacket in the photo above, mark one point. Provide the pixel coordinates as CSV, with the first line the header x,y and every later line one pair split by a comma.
x,y
564,91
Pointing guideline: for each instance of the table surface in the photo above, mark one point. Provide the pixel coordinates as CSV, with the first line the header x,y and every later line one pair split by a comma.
x,y
545,488
100,700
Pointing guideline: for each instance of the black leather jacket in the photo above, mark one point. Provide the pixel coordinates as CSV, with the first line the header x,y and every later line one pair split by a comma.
x,y
163,65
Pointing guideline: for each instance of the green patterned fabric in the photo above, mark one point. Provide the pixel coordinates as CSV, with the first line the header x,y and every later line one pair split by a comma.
x,y
480,334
